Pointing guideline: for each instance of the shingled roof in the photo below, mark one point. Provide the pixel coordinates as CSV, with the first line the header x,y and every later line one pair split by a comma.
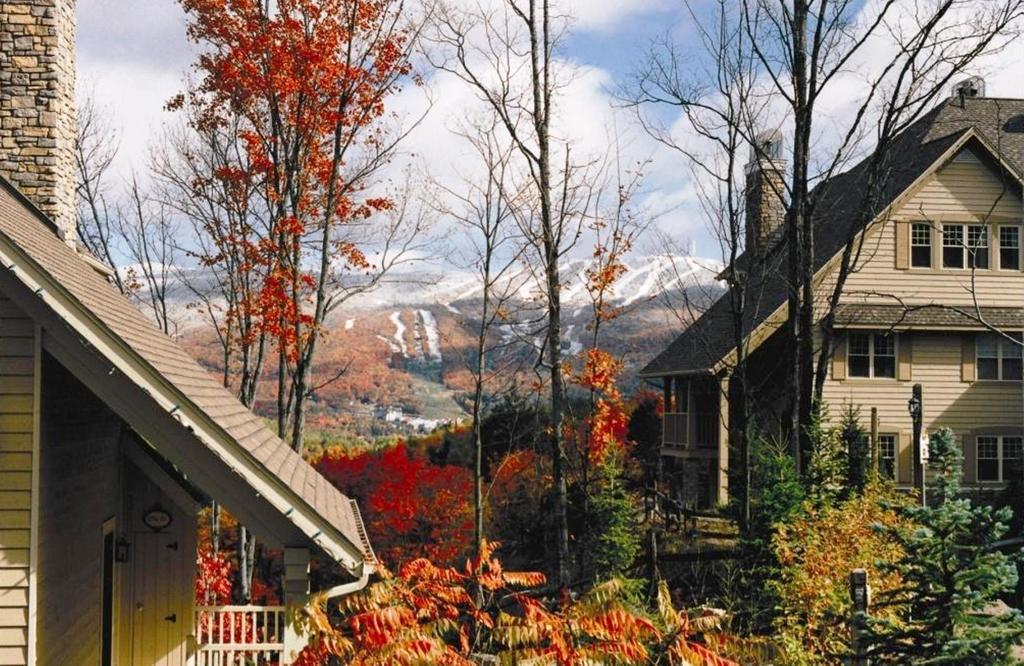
x,y
31,239
927,317
709,340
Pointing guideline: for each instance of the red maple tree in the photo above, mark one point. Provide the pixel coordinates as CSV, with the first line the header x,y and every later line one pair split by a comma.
x,y
301,86
412,507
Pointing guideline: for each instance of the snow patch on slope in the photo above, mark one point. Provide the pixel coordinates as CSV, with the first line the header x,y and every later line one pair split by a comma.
x,y
433,335
399,336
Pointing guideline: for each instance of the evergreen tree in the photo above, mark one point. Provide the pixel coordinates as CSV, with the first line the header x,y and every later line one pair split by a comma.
x,y
855,440
951,578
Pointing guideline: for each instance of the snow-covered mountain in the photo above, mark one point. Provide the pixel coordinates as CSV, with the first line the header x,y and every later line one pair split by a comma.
x,y
408,343
646,278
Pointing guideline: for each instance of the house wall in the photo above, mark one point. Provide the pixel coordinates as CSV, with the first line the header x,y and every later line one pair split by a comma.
x,y
80,480
968,407
965,190
17,462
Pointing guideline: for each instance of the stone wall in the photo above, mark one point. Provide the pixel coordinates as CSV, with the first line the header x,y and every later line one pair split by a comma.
x,y
37,104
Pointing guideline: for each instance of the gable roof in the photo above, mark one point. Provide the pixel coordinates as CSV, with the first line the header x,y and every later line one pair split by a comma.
x,y
93,308
997,124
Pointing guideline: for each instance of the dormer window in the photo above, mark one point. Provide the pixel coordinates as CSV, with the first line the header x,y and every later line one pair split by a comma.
x,y
921,245
964,246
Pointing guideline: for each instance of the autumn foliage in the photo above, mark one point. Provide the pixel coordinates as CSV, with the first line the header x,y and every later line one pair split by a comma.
x,y
428,614
817,549
603,431
412,508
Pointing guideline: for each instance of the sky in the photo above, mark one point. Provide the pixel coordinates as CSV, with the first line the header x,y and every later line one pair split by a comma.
x,y
133,56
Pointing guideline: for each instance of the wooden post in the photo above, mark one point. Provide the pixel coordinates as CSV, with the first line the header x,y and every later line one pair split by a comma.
x,y
296,595
916,407
860,595
875,460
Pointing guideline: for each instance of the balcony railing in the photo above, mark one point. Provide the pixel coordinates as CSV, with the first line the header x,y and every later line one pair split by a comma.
x,y
690,430
239,635
676,429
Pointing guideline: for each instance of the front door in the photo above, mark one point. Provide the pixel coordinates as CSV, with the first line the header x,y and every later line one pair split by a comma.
x,y
160,615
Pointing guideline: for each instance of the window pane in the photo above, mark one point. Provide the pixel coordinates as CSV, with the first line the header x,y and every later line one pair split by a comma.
x,y
1013,447
887,456
1011,368
988,368
921,257
988,470
859,344
885,345
988,346
921,245
952,246
860,366
1009,248
988,447
885,356
885,366
977,242
859,354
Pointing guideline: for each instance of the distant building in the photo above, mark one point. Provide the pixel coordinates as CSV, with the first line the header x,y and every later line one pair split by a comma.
x,y
947,229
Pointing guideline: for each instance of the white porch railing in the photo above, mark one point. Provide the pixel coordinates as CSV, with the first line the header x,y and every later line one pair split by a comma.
x,y
239,635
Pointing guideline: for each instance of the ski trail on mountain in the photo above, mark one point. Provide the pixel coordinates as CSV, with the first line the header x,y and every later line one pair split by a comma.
x,y
433,335
396,319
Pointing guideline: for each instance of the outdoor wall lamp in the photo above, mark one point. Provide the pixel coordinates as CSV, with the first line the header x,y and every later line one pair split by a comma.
x,y
914,407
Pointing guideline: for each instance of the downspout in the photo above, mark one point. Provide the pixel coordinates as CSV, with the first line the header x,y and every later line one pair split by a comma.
x,y
351,588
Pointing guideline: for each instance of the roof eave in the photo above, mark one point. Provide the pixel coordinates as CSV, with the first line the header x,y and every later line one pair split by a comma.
x,y
318,530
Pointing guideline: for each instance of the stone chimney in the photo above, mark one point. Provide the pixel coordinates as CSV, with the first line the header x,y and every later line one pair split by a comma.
x,y
765,186
37,105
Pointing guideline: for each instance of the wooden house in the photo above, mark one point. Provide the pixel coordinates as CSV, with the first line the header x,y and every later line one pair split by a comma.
x,y
111,436
936,297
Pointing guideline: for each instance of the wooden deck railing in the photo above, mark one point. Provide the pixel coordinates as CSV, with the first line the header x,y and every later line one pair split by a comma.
x,y
698,430
239,635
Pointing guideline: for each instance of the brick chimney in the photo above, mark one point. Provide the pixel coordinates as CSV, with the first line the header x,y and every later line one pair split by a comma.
x,y
37,104
765,186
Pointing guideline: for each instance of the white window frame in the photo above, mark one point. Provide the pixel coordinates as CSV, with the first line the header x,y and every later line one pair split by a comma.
x,y
895,453
871,355
1001,346
964,244
999,238
1000,441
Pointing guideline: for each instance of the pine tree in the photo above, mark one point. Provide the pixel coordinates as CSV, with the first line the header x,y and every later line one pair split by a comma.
x,y
951,575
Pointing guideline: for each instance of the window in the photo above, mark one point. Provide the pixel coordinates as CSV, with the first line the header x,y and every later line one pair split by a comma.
x,y
921,245
1009,248
952,246
999,457
964,246
998,357
887,456
871,355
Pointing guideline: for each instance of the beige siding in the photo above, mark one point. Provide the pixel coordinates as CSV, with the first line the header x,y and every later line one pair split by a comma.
x,y
17,385
965,407
965,190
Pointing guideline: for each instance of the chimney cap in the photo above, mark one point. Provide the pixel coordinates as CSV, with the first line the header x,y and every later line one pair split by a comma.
x,y
972,86
767,145
766,149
